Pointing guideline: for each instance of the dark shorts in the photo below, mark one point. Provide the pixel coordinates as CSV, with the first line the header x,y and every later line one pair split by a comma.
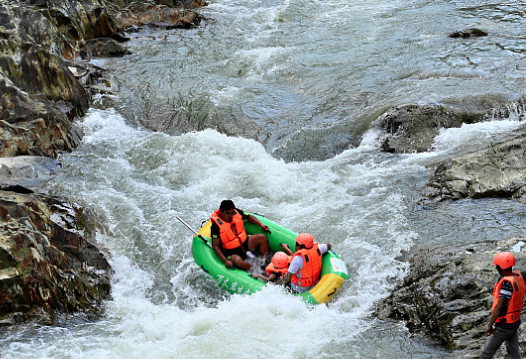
x,y
240,251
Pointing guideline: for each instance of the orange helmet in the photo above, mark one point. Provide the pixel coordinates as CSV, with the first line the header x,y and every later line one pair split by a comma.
x,y
504,260
280,260
305,239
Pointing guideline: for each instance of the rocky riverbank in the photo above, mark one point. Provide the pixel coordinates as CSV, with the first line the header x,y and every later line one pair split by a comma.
x,y
46,78
448,294
49,262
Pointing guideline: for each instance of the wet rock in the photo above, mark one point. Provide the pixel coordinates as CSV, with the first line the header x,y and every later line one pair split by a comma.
x,y
447,294
161,17
39,94
31,59
468,33
141,6
48,264
79,21
32,125
513,110
93,78
182,3
479,105
16,188
104,47
412,128
498,171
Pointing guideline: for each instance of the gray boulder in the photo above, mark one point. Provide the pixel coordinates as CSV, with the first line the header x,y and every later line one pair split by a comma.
x,y
412,128
498,171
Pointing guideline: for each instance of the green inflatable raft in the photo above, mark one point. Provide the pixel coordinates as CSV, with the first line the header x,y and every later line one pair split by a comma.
x,y
237,281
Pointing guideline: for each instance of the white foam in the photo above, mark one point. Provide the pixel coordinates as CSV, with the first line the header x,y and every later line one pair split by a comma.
x,y
348,203
517,247
478,134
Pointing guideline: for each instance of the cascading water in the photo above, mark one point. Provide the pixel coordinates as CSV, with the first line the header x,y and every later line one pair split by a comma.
x,y
269,105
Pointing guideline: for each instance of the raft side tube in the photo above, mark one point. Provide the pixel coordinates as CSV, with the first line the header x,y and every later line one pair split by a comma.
x,y
235,281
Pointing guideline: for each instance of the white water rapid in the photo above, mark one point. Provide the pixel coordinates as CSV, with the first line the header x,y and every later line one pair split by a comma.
x,y
282,93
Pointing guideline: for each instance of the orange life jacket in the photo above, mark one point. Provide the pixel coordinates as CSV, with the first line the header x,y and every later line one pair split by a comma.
x,y
233,233
310,273
279,271
516,302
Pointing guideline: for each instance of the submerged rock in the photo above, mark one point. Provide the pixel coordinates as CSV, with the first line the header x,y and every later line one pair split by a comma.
x,y
141,6
48,264
104,47
468,33
448,294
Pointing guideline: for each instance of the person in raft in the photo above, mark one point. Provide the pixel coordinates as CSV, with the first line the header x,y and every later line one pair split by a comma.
x,y
229,238
278,265
508,299
305,267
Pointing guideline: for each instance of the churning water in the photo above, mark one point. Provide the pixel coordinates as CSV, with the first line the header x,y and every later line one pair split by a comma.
x,y
269,104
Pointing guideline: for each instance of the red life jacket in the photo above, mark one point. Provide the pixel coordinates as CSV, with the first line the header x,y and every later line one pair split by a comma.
x,y
279,271
516,302
310,273
233,233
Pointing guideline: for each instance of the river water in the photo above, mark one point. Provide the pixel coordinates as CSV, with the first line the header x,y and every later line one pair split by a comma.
x,y
269,104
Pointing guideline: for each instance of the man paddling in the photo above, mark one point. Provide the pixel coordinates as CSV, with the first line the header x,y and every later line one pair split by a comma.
x,y
229,238
508,299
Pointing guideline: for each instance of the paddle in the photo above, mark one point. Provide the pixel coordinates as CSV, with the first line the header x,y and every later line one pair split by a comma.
x,y
193,230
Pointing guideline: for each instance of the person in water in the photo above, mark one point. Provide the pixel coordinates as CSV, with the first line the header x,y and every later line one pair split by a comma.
x,y
305,267
278,265
508,299
230,241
